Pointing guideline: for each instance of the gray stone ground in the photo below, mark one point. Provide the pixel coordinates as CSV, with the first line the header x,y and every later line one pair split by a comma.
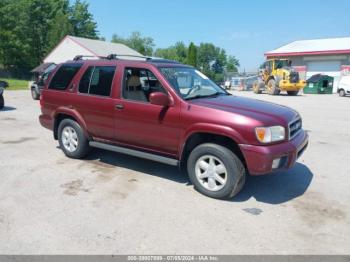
x,y
117,204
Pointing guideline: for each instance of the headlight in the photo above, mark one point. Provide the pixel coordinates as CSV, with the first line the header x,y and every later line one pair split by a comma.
x,y
270,134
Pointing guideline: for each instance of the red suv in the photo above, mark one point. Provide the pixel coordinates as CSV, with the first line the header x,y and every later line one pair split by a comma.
x,y
171,113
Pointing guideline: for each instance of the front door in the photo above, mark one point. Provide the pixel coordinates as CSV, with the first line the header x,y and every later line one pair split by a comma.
x,y
141,124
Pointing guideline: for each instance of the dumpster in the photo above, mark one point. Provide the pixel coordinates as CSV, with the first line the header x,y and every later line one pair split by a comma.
x,y
319,84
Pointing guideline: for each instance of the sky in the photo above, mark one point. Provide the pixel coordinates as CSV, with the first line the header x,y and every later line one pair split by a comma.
x,y
245,29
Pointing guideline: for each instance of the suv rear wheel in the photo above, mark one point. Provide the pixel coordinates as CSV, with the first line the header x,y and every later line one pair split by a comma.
x,y
215,171
72,139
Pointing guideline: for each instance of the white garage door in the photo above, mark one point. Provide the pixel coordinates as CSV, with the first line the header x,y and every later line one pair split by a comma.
x,y
331,68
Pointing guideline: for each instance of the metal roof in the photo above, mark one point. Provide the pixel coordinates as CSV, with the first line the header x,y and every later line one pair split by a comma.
x,y
326,46
103,48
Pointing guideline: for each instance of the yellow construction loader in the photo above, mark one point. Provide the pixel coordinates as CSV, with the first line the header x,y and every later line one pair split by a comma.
x,y
277,75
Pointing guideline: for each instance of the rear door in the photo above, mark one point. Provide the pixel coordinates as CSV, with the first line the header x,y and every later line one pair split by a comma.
x,y
94,102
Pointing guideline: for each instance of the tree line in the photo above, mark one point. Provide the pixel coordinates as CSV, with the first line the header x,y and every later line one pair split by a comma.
x,y
210,59
29,29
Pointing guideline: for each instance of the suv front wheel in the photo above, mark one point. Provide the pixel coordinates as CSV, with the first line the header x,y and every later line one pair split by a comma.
x,y
216,171
72,139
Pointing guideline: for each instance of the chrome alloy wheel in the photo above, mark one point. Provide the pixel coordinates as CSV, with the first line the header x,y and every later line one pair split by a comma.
x,y
69,138
211,172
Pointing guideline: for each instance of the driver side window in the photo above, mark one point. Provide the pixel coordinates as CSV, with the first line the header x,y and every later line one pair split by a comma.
x,y
139,84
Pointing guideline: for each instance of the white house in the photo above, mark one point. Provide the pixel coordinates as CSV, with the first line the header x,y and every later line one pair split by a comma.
x,y
329,56
71,46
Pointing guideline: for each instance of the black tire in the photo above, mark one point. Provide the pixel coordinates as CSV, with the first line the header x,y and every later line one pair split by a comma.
x,y
2,102
235,170
292,93
82,142
342,92
35,95
256,87
272,89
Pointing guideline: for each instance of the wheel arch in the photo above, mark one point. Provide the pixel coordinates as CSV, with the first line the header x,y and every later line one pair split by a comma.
x,y
269,78
199,137
65,113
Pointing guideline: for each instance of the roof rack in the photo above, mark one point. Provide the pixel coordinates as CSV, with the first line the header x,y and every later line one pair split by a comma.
x,y
115,56
150,59
162,60
80,57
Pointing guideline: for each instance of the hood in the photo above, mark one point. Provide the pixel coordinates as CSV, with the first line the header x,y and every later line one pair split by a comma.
x,y
253,108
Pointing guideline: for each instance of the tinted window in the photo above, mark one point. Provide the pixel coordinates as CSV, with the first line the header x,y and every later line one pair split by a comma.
x,y
64,76
85,80
139,84
97,80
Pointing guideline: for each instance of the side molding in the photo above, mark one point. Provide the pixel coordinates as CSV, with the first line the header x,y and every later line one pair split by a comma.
x,y
131,152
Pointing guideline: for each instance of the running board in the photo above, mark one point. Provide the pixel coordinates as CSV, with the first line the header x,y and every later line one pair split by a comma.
x,y
131,152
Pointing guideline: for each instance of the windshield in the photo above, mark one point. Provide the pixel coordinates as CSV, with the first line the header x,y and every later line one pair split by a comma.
x,y
189,83
283,64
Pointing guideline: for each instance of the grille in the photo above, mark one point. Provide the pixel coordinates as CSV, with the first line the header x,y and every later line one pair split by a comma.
x,y
294,77
294,128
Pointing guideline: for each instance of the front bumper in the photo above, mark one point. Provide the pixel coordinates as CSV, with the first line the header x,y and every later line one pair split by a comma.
x,y
259,158
288,86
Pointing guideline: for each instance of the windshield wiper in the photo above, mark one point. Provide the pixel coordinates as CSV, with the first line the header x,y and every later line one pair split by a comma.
x,y
206,96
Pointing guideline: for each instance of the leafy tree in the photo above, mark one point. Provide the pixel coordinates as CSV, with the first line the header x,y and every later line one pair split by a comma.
x,y
136,41
82,20
207,54
118,39
212,61
30,28
60,26
232,64
192,55
23,32
177,52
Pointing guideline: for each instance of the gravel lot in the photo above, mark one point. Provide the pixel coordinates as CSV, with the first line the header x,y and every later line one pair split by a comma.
x,y
116,204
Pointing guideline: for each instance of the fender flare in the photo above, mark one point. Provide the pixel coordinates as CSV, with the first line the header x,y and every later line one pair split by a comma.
x,y
209,129
73,114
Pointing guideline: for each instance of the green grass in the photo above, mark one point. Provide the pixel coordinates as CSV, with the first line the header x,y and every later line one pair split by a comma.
x,y
15,84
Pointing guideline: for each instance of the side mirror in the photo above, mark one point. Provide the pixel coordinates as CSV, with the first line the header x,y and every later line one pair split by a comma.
x,y
160,99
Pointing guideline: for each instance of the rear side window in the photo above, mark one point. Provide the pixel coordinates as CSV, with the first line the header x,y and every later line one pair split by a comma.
x,y
64,76
97,80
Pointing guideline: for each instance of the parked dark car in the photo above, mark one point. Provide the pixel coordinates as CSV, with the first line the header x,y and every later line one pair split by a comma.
x,y
38,85
170,113
3,85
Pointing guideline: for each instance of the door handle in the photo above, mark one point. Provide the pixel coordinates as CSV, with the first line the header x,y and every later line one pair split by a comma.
x,y
119,106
